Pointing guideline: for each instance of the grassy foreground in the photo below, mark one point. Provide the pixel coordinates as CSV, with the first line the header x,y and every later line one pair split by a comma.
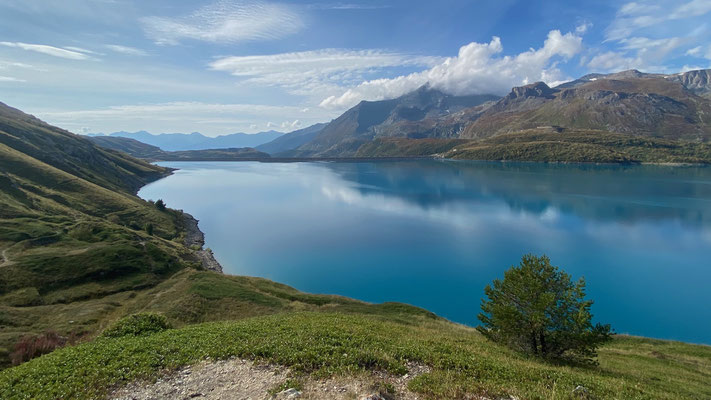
x,y
326,343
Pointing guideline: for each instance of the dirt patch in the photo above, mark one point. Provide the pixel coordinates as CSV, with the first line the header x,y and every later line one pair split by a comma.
x,y
227,379
237,379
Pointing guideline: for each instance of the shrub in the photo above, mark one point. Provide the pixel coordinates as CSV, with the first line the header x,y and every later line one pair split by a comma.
x,y
29,347
137,325
149,228
537,309
160,205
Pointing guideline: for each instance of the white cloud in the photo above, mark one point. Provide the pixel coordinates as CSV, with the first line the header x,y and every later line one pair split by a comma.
x,y
208,118
693,8
478,68
14,64
700,52
646,34
10,79
49,50
291,124
226,22
131,51
612,61
582,28
696,51
634,16
315,71
82,50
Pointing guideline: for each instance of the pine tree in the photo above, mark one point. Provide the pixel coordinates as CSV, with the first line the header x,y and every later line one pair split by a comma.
x,y
538,309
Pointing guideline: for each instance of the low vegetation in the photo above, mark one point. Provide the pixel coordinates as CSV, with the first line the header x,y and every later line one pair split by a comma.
x,y
548,145
322,344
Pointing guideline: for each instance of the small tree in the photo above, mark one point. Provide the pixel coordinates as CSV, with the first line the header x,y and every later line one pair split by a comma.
x,y
537,309
149,228
160,205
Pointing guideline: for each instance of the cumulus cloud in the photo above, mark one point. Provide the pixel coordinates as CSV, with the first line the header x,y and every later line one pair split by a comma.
x,y
48,50
131,51
226,22
478,68
315,71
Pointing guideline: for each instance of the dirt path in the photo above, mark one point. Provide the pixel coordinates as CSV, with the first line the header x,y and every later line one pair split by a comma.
x,y
5,259
238,379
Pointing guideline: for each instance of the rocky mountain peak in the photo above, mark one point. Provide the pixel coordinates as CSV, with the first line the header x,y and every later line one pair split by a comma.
x,y
538,89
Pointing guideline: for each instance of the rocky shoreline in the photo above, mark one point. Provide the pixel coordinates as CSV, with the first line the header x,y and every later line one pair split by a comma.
x,y
195,241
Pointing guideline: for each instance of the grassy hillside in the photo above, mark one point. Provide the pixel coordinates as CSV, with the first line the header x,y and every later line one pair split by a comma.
x,y
548,145
463,364
71,228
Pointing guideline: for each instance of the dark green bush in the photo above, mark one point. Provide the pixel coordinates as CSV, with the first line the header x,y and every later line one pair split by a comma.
x,y
137,325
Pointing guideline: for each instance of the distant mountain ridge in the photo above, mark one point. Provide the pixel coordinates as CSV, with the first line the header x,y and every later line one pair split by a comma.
x,y
291,140
661,106
415,115
198,141
142,150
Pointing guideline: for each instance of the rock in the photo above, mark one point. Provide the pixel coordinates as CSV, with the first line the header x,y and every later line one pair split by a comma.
x,y
374,396
195,239
580,391
290,393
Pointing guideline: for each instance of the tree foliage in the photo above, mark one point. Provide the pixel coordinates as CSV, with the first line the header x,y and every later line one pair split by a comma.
x,y
160,204
538,309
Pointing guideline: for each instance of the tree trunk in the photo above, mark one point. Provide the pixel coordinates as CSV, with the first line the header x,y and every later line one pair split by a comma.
x,y
534,345
544,351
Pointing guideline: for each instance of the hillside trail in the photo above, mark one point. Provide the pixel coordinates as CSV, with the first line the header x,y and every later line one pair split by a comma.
x,y
5,259
239,379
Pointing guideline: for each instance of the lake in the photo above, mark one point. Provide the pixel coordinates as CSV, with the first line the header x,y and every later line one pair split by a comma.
x,y
435,233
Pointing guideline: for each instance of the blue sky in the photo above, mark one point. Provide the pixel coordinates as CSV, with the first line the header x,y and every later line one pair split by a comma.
x,y
222,66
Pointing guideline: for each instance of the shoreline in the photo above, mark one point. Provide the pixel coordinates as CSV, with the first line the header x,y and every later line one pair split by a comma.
x,y
420,158
194,237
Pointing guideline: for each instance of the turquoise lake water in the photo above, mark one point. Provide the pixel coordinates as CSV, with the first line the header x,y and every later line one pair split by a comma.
x,y
434,233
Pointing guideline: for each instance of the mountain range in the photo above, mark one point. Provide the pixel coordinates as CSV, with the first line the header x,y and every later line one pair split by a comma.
x,y
142,150
196,140
585,114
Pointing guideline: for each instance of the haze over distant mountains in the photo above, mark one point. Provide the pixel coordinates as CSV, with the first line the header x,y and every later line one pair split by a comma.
x,y
198,141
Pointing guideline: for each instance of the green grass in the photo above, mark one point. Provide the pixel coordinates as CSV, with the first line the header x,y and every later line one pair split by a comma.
x,y
324,344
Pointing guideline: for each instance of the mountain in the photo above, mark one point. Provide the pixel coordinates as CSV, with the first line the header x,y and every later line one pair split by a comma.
x,y
425,112
198,141
291,140
31,142
129,146
656,106
141,150
629,102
